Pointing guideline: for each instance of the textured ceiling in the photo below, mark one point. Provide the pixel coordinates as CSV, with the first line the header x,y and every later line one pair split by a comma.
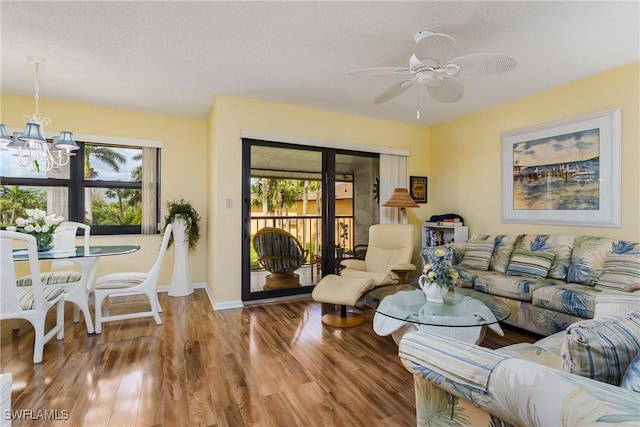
x,y
174,57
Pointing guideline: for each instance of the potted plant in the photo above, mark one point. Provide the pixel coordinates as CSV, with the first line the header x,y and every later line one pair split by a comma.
x,y
343,236
186,233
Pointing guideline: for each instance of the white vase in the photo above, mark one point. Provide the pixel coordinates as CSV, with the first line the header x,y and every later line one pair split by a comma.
x,y
435,293
432,291
180,280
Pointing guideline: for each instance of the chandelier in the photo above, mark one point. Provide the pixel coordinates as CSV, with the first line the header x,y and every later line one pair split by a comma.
x,y
34,152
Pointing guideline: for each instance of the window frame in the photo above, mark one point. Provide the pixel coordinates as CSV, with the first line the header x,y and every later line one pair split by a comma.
x,y
76,185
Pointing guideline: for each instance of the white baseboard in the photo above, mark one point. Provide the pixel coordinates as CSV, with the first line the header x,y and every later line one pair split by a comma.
x,y
227,305
216,305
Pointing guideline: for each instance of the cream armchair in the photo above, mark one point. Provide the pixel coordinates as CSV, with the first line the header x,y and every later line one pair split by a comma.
x,y
387,262
388,258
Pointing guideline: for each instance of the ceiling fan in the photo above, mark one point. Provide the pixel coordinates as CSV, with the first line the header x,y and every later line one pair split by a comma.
x,y
432,65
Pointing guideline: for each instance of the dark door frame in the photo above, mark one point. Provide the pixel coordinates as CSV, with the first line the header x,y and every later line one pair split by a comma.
x,y
328,212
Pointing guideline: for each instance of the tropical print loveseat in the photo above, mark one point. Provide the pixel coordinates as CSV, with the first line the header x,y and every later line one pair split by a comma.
x,y
546,282
588,375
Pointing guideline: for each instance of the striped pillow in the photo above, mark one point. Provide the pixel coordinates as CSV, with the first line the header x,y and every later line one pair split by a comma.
x,y
530,263
603,348
477,254
619,270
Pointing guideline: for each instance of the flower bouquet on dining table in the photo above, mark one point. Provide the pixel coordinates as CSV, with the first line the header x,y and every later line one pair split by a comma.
x,y
39,224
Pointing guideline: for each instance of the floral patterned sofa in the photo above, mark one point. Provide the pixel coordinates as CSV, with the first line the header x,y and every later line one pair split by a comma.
x,y
588,375
547,282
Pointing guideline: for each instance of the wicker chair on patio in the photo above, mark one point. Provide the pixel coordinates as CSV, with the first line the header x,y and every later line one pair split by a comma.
x,y
281,254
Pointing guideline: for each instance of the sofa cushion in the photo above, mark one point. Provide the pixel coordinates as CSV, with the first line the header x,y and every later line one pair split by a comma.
x,y
530,263
504,245
516,287
631,379
559,245
602,349
466,276
570,298
589,254
619,270
477,254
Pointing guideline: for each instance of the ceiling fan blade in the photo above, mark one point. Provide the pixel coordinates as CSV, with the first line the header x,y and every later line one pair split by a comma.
x,y
445,89
480,64
380,71
434,50
393,91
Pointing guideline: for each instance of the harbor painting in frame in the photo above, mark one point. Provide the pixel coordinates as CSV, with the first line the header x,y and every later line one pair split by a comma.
x,y
564,173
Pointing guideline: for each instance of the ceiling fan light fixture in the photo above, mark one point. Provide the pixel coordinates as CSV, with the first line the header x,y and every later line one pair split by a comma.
x,y
432,66
435,81
451,69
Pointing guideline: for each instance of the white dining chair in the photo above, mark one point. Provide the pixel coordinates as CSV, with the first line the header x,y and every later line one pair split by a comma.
x,y
62,274
30,303
121,284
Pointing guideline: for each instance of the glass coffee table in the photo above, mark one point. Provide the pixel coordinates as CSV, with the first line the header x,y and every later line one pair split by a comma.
x,y
404,308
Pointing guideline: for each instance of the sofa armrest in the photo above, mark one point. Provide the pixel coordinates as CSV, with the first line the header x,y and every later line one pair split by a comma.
x,y
615,302
354,264
519,392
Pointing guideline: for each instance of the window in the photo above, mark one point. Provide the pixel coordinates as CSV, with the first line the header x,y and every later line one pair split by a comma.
x,y
114,188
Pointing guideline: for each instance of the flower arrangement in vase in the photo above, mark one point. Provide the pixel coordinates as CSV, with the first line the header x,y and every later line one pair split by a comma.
x,y
39,224
438,274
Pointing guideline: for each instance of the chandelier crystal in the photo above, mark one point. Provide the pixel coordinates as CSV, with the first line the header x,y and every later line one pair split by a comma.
x,y
34,152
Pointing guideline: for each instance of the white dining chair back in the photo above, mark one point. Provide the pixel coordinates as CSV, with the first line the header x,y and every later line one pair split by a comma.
x,y
30,303
65,238
127,283
64,274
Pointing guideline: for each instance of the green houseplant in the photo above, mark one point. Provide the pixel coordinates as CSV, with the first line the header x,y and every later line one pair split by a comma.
x,y
186,231
183,209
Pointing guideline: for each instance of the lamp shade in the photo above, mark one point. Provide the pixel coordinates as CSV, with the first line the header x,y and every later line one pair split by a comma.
x,y
4,136
65,141
16,142
400,199
33,132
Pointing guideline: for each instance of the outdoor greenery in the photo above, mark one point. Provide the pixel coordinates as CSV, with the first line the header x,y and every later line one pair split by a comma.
x,y
101,209
276,196
14,202
183,209
109,206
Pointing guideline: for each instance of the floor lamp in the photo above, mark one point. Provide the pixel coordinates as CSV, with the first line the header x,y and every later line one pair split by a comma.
x,y
401,199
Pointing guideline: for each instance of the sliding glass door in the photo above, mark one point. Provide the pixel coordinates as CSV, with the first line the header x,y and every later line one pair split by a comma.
x,y
296,198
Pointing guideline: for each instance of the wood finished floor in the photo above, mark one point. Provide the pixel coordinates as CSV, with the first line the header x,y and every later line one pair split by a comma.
x,y
267,365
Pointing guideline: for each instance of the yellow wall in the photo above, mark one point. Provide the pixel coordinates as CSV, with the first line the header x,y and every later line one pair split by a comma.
x,y
184,168
230,116
465,172
201,161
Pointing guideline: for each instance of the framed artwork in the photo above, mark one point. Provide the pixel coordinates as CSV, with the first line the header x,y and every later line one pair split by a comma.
x,y
564,173
418,188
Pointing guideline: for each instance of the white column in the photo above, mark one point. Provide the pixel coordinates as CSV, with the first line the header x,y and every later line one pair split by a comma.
x,y
181,279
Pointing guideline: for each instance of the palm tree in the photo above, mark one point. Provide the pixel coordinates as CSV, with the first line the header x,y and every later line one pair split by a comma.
x,y
14,201
306,188
110,157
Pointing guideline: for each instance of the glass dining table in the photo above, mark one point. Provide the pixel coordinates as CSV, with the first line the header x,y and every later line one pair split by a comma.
x,y
87,258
